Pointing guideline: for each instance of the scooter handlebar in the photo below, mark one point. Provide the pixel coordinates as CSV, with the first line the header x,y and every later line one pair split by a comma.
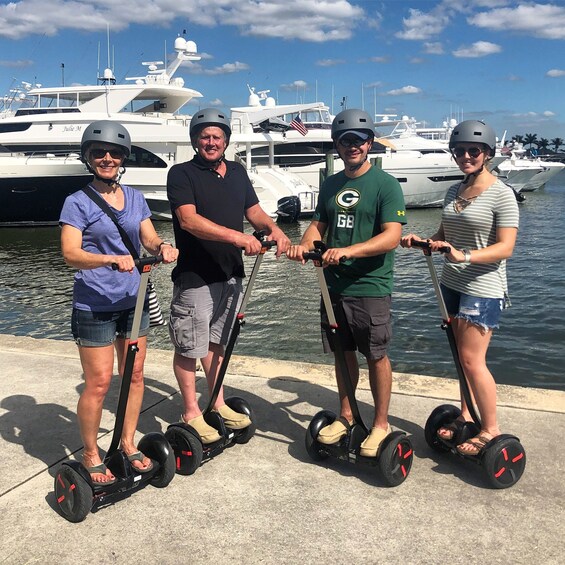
x,y
427,245
142,261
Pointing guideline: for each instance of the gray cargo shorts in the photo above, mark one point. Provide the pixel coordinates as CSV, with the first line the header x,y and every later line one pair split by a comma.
x,y
203,315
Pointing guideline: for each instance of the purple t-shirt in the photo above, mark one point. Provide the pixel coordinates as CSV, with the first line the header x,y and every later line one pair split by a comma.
x,y
103,289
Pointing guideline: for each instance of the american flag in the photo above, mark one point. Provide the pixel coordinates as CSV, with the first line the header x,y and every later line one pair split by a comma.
x,y
298,125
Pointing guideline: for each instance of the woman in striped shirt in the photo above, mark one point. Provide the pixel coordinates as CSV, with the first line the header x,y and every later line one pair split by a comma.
x,y
480,225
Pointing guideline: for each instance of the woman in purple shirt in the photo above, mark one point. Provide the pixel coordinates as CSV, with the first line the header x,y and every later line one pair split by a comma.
x,y
104,298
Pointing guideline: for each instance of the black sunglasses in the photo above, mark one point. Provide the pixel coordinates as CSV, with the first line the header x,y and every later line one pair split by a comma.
x,y
101,153
352,142
473,152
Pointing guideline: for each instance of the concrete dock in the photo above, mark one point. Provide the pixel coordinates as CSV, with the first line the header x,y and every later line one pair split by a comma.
x,y
266,502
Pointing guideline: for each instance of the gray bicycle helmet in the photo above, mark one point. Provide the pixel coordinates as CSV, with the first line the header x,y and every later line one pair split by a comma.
x,y
352,120
209,117
473,131
106,131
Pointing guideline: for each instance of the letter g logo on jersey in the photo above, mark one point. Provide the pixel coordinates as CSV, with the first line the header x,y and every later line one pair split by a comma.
x,y
348,198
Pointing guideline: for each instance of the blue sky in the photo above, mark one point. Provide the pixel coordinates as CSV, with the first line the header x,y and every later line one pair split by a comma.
x,y
498,60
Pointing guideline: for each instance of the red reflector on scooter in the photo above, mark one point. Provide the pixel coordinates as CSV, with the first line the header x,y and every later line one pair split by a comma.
x,y
518,457
500,472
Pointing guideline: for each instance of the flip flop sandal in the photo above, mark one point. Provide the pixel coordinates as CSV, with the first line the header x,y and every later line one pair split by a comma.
x,y
478,442
102,470
138,456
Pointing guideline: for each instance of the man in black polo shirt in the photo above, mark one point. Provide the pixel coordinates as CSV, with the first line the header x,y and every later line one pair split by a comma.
x,y
209,198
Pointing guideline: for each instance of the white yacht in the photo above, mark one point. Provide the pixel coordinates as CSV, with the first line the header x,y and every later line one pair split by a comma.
x,y
524,173
424,168
50,122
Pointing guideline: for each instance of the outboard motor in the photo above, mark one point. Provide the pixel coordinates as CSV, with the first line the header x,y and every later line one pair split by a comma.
x,y
288,209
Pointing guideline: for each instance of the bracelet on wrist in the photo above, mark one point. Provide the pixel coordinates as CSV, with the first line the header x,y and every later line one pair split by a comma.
x,y
164,243
467,253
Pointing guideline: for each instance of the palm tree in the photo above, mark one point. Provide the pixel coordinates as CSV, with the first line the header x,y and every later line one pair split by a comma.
x,y
530,139
556,142
518,138
543,143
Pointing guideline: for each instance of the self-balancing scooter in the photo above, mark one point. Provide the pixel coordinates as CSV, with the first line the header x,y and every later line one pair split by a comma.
x,y
395,454
503,458
76,494
186,442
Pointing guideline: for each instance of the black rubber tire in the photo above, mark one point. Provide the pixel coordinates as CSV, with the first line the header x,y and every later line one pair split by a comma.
x,y
504,462
439,417
73,494
243,407
313,446
166,473
395,460
187,450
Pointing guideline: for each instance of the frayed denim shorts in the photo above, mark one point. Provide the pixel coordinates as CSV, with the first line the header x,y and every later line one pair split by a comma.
x,y
98,329
482,312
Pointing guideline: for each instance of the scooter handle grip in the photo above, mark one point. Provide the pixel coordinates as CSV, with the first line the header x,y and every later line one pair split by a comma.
x,y
151,260
427,245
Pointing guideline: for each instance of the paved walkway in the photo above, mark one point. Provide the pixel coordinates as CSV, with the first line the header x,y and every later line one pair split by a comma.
x,y
266,502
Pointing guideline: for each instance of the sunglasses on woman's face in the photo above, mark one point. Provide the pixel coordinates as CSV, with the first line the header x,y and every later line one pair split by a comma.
x,y
473,152
101,153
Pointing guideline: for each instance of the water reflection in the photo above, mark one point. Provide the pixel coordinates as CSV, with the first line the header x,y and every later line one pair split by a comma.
x,y
282,315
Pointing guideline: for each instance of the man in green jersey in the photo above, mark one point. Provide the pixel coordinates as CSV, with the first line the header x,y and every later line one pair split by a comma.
x,y
361,212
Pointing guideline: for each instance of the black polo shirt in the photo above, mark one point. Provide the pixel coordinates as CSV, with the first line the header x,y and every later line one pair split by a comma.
x,y
222,200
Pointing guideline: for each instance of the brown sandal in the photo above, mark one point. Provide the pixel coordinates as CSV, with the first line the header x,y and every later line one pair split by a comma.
x,y
478,443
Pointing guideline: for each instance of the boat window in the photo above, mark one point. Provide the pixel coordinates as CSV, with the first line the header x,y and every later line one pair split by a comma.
x,y
7,128
142,158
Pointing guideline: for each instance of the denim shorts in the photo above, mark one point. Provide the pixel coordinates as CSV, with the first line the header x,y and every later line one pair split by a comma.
x,y
482,312
364,324
98,329
203,315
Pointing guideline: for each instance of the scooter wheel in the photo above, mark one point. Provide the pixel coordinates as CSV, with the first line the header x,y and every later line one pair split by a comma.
x,y
73,494
243,407
504,462
156,446
439,417
395,460
187,450
313,446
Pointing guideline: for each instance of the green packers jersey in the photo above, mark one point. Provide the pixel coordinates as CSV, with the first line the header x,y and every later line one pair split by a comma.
x,y
354,210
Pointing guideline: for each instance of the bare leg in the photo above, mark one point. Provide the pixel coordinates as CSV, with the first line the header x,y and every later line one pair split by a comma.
x,y
353,368
472,344
185,372
380,379
135,397
211,365
97,365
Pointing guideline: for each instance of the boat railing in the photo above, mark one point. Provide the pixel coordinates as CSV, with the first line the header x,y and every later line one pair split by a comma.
x,y
59,156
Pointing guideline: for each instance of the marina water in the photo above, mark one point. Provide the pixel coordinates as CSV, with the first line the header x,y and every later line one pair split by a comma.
x,y
282,317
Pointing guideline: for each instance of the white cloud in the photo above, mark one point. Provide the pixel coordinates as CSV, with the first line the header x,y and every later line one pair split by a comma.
x,y
539,20
330,62
319,21
404,90
420,26
555,73
296,85
16,64
477,49
433,48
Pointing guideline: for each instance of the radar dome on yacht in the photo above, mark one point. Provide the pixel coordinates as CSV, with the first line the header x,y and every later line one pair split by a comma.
x,y
270,102
253,100
180,44
108,74
191,47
